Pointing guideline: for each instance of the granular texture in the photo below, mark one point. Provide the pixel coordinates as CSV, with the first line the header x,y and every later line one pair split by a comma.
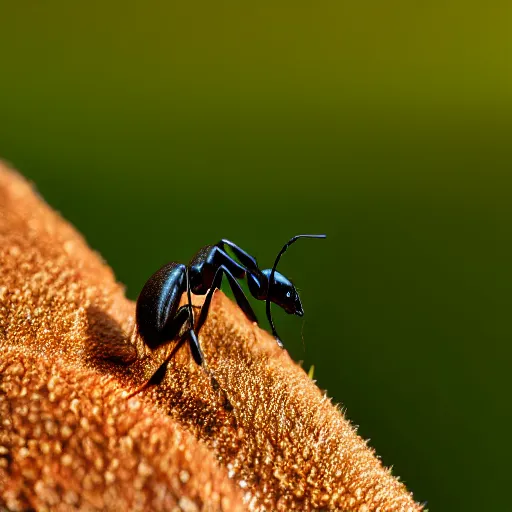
x,y
79,430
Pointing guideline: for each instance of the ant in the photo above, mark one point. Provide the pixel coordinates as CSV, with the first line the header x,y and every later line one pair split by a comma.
x,y
157,314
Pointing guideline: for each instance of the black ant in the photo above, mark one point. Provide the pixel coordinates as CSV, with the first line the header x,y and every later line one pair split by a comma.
x,y
160,320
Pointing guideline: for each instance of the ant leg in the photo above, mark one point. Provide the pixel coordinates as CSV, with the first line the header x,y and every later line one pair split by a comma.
x,y
245,258
239,294
195,348
219,257
170,332
159,374
240,297
244,305
186,313
204,264
173,327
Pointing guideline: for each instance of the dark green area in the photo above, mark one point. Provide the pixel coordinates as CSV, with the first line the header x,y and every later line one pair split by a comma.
x,y
157,128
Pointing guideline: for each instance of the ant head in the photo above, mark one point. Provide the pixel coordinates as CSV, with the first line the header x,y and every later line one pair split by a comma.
x,y
283,293
281,290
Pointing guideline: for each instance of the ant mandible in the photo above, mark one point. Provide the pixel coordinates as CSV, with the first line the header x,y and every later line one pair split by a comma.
x,y
160,320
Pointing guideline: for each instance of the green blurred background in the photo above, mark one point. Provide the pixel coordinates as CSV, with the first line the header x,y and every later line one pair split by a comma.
x,y
157,127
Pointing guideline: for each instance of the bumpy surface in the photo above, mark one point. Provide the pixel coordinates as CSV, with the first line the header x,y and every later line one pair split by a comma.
x,y
72,436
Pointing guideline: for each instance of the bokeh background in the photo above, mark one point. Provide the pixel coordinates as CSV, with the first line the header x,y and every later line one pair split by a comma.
x,y
159,127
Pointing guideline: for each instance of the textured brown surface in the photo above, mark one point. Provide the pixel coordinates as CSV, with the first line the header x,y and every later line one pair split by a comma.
x,y
71,438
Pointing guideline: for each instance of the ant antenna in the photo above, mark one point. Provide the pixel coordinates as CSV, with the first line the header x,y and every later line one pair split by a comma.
x,y
271,280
